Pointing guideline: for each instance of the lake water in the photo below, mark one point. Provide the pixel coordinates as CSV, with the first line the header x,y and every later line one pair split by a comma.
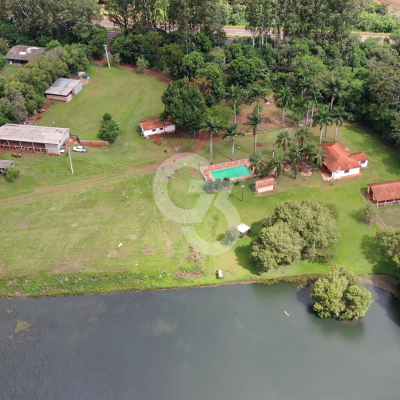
x,y
232,342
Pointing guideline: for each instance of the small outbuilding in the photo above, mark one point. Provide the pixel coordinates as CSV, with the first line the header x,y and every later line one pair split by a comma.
x,y
265,185
32,138
64,89
243,229
20,55
4,164
152,127
384,193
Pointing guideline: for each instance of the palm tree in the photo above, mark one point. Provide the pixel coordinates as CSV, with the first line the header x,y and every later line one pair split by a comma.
x,y
259,93
318,157
334,88
302,135
315,96
338,114
321,118
285,98
212,125
257,164
277,164
254,121
283,140
304,83
234,94
299,107
231,133
296,156
309,150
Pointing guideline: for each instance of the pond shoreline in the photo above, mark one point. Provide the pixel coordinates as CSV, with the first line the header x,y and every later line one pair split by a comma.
x,y
51,285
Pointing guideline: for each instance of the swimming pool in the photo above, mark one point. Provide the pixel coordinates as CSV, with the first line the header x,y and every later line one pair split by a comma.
x,y
233,172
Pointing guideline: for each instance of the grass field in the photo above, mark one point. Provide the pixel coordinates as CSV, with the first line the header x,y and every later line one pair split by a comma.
x,y
56,225
9,70
130,98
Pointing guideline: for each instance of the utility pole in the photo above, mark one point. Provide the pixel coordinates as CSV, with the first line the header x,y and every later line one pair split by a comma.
x,y
105,48
70,159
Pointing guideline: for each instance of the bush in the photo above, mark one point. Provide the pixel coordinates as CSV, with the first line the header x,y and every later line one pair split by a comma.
x,y
232,235
109,131
340,295
142,63
107,117
12,173
2,61
217,185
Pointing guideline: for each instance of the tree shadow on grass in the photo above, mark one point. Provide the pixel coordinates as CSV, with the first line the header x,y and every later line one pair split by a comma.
x,y
243,258
375,254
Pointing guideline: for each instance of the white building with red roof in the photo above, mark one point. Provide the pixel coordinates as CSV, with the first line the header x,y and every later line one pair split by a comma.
x,y
152,127
340,163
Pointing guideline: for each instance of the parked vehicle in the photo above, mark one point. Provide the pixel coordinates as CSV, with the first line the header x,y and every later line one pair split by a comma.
x,y
62,151
80,149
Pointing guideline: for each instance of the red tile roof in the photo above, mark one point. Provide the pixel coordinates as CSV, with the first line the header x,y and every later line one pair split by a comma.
x,y
337,157
389,190
154,123
265,182
359,156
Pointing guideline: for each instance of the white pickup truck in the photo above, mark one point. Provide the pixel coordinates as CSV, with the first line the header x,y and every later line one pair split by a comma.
x,y
80,149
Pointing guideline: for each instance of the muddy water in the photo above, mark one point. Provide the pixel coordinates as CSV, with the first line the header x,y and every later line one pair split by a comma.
x,y
231,342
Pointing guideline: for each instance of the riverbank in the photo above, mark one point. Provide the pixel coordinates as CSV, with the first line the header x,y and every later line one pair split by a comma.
x,y
54,285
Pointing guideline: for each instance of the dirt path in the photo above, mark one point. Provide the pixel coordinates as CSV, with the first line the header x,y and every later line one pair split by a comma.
x,y
87,185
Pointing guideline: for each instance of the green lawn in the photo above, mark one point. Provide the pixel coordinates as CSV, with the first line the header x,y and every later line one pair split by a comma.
x,y
130,97
71,224
9,70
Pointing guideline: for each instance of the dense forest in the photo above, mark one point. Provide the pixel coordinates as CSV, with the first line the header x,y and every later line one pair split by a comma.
x,y
304,52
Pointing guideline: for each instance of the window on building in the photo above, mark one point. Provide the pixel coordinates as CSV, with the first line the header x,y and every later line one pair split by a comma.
x,y
346,171
153,130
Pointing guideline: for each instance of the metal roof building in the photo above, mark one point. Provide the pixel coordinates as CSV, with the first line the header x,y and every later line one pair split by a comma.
x,y
22,54
38,139
64,89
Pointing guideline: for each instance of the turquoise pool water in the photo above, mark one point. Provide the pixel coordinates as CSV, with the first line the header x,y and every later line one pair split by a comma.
x,y
233,172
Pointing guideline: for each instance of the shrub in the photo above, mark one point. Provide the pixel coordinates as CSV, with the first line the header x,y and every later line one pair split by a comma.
x,y
107,117
232,235
142,63
340,295
2,61
217,185
109,131
11,173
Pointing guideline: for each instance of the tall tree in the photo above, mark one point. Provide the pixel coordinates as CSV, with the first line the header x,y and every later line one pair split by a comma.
x,y
302,135
296,157
213,126
259,93
254,120
318,156
338,114
285,98
257,164
277,164
233,93
231,132
315,97
322,118
283,140
334,89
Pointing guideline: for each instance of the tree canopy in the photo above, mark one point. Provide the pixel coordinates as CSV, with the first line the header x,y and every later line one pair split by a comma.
x,y
306,229
340,295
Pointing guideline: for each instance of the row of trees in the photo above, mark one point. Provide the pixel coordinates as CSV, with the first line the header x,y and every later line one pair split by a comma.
x,y
24,92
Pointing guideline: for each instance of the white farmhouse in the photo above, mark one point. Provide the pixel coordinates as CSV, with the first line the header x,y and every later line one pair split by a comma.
x,y
340,163
152,127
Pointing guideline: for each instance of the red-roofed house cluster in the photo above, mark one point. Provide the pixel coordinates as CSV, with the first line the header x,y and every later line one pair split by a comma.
x,y
340,163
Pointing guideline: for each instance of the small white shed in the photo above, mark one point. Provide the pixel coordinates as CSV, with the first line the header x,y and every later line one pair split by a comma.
x,y
152,127
243,229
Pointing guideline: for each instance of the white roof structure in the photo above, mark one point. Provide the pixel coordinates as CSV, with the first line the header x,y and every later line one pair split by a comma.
x,y
243,228
34,134
62,87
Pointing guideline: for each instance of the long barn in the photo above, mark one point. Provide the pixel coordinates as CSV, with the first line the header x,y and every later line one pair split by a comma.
x,y
37,139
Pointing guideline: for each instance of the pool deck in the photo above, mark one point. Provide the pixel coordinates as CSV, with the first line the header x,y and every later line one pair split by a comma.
x,y
206,171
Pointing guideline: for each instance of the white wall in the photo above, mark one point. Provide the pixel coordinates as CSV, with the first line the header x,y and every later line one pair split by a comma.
x,y
341,173
158,131
364,163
